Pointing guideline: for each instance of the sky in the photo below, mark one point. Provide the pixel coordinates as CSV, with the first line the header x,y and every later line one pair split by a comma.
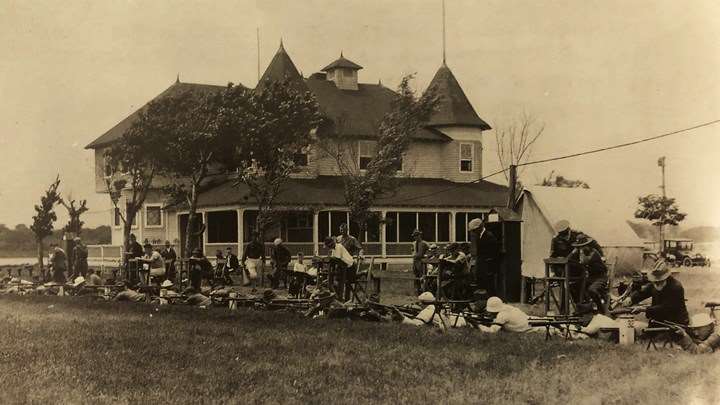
x,y
595,73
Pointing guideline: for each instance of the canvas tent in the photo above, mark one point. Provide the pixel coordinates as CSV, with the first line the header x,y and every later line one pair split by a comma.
x,y
602,216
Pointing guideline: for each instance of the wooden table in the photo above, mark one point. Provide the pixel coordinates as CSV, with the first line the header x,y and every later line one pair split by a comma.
x,y
564,281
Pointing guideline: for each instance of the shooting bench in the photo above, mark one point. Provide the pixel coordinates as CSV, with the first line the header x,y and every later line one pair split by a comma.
x,y
562,282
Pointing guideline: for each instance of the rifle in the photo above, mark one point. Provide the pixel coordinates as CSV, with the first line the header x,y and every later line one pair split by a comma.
x,y
559,322
629,310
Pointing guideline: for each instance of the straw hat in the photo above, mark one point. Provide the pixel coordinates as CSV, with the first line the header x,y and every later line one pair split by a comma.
x,y
700,320
79,281
425,297
76,239
166,284
583,240
659,272
277,241
475,224
562,225
494,304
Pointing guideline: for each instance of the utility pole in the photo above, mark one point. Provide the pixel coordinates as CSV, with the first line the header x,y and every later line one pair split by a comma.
x,y
661,163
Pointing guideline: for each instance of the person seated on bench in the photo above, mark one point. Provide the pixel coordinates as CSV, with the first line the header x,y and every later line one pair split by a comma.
x,y
337,250
154,261
668,296
561,244
703,335
507,318
586,259
455,268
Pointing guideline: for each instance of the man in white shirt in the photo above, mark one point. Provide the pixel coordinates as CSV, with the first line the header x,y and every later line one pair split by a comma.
x,y
346,274
507,318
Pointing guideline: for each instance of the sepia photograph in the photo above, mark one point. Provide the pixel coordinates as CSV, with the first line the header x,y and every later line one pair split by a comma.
x,y
359,201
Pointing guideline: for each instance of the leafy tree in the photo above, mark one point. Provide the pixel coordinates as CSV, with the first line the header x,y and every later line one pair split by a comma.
x,y
189,146
264,131
44,218
131,163
407,115
661,211
74,225
556,180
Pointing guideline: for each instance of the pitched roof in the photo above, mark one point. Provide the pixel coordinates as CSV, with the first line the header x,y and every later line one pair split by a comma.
x,y
328,191
341,62
358,112
282,67
119,129
454,108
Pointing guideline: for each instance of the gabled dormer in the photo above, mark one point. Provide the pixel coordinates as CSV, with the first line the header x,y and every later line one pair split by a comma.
x,y
343,72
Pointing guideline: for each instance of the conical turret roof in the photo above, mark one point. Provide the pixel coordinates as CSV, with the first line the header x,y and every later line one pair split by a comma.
x,y
454,108
282,67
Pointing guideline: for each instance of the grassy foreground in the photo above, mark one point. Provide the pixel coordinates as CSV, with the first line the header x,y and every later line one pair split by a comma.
x,y
72,350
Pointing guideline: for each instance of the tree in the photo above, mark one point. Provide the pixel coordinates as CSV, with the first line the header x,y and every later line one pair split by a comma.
x,y
362,188
556,180
515,141
74,225
131,163
44,218
264,132
661,211
189,146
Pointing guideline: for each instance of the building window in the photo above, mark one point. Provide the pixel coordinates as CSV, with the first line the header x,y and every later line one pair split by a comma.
x,y
466,157
222,227
107,168
329,225
117,220
300,159
367,150
153,216
461,221
435,226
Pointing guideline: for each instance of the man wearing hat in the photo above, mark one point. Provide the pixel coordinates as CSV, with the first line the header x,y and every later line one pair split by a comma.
x,y
420,249
200,268
59,263
253,258
280,258
561,244
169,256
668,296
346,266
485,250
154,261
80,256
703,335
507,317
586,259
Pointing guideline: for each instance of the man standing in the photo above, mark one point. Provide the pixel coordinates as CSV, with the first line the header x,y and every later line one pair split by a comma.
x,y
420,249
345,264
59,263
231,264
200,268
351,244
252,258
80,256
134,249
485,251
169,256
280,257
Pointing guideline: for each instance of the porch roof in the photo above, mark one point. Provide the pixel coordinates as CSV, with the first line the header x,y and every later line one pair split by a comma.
x,y
327,191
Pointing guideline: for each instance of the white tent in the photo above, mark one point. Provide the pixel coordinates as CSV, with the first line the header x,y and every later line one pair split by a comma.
x,y
600,215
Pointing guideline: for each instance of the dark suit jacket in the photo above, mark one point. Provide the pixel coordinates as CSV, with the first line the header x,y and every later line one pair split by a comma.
x,y
485,250
667,304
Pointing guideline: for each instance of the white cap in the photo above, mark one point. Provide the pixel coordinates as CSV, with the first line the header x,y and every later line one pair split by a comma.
x,y
427,296
78,281
494,304
474,224
277,241
166,284
700,320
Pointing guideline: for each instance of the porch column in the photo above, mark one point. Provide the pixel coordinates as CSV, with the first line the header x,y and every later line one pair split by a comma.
x,y
452,225
241,233
383,224
316,232
205,238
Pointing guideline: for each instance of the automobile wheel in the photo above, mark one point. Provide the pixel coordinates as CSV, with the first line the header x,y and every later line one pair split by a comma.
x,y
687,262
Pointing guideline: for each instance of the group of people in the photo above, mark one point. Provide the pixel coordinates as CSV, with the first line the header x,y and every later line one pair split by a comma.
x,y
465,267
63,267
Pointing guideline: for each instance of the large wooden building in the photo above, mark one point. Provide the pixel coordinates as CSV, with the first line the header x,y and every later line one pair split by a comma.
x,y
439,188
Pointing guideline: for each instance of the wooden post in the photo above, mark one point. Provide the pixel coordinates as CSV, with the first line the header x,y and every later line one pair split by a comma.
x,y
512,183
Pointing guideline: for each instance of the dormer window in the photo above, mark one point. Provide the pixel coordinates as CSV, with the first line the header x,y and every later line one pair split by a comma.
x,y
367,151
343,73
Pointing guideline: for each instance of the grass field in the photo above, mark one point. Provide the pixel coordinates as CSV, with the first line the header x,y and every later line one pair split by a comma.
x,y
73,350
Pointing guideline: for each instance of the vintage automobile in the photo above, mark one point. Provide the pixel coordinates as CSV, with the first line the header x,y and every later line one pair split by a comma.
x,y
681,251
